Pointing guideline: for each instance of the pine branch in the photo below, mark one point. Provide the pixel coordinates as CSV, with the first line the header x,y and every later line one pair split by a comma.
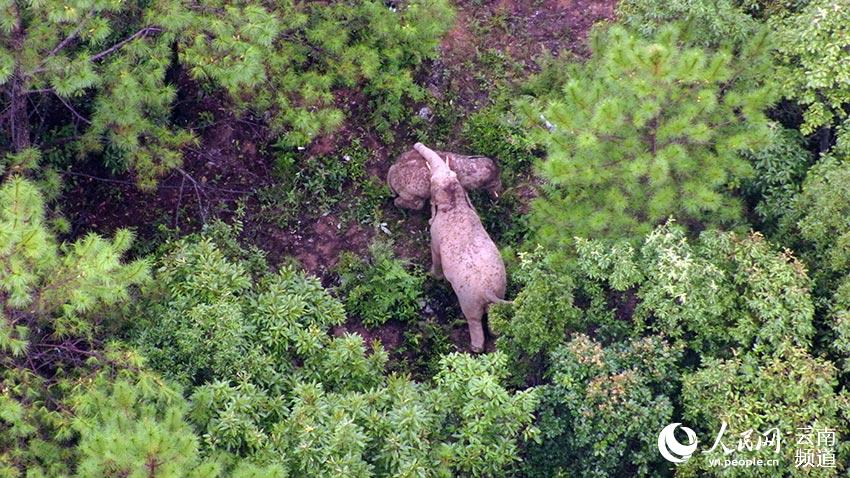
x,y
71,108
64,42
141,33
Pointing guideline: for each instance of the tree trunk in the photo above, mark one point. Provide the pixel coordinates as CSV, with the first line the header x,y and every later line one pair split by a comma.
x,y
19,115
19,122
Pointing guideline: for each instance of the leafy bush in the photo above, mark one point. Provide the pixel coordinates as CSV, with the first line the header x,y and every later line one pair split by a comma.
x,y
819,219
205,318
779,172
788,390
816,225
73,422
710,295
285,61
709,23
488,133
724,291
812,49
312,186
647,129
268,384
381,287
598,416
541,316
107,64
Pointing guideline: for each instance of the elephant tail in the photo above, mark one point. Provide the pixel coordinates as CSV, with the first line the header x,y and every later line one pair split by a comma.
x,y
492,299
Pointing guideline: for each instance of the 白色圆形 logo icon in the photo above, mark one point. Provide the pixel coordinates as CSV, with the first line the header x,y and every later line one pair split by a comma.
x,y
671,449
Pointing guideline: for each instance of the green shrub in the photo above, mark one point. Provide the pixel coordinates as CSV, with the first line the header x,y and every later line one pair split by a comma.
x,y
814,58
205,318
788,390
268,384
106,64
723,291
707,22
285,61
779,172
816,225
488,133
312,186
819,219
600,415
647,129
380,287
541,316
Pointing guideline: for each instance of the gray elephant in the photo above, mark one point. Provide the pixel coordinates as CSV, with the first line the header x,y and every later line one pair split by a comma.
x,y
461,249
409,179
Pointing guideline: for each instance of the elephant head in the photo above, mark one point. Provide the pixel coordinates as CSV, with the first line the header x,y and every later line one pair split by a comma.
x,y
446,190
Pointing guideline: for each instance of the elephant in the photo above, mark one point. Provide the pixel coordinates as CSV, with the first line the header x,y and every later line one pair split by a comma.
x,y
409,179
461,249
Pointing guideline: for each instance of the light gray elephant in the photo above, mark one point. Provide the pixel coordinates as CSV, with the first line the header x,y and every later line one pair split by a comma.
x,y
461,249
410,180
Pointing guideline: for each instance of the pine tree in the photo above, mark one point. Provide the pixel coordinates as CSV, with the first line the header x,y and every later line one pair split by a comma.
x,y
105,65
50,287
647,129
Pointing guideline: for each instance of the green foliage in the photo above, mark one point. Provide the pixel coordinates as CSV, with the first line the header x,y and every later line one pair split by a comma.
x,y
493,133
767,9
284,61
817,226
34,434
207,319
709,23
541,315
488,133
483,419
819,218
51,286
599,416
424,344
381,287
709,295
107,65
72,423
812,48
647,129
269,384
787,390
779,172
724,291
147,418
312,186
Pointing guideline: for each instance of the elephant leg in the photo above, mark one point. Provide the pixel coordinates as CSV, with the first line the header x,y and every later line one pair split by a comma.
x,y
474,315
408,201
436,262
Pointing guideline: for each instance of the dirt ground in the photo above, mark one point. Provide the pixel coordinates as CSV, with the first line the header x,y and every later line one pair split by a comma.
x,y
233,158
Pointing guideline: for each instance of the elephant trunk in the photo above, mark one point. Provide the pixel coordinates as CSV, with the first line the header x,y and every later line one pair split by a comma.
x,y
435,162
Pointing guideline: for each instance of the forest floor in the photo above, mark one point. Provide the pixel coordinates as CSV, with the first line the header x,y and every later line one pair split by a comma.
x,y
493,45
